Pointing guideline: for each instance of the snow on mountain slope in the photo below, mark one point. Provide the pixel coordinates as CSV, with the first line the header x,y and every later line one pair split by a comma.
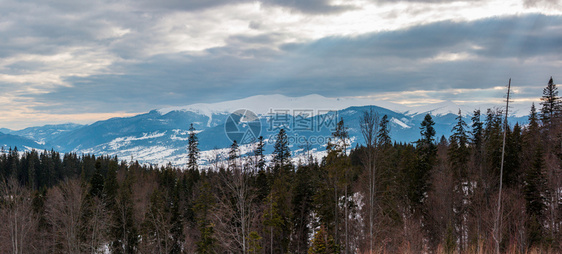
x,y
440,108
8,141
44,134
262,104
517,109
160,136
400,123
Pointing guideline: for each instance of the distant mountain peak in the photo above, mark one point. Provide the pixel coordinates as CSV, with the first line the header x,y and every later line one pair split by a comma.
x,y
440,108
262,104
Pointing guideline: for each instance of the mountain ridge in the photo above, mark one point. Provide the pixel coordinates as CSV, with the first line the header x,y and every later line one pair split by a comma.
x,y
160,136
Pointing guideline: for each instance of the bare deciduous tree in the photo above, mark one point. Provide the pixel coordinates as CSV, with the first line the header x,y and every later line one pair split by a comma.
x,y
19,224
65,206
235,212
369,124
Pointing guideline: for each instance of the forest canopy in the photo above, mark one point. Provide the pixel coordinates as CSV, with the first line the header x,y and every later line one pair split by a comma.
x,y
437,194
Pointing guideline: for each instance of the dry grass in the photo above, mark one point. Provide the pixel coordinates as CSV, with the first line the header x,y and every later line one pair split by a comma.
x,y
473,249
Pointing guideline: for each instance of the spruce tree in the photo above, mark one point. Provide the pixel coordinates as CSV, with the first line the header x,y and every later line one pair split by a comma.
x,y
341,136
535,198
276,217
383,136
176,221
203,208
302,203
254,246
513,152
111,187
427,131
323,243
458,154
550,103
97,184
258,153
233,155
493,144
193,149
533,126
281,152
458,149
419,177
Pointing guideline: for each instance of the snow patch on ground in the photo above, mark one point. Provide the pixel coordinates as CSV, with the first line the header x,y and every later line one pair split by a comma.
x,y
124,141
400,123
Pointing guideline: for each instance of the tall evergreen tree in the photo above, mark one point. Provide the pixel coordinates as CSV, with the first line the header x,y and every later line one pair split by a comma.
x,y
341,136
281,152
533,126
493,145
111,187
258,153
458,148
419,177
383,136
278,214
535,198
233,155
203,212
193,149
427,131
323,243
176,221
459,154
337,167
97,182
302,203
550,103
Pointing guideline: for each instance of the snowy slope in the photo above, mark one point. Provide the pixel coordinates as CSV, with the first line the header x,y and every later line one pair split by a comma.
x,y
46,133
8,141
441,108
261,104
449,107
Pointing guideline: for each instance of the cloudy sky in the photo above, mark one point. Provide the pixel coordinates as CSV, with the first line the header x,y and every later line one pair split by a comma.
x,y
81,61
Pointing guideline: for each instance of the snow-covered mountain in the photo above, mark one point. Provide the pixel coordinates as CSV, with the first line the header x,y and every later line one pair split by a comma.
x,y
40,134
8,141
160,136
264,104
450,107
438,109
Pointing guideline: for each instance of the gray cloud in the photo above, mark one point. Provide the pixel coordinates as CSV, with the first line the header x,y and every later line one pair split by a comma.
x,y
525,48
543,3
426,1
184,5
519,37
310,6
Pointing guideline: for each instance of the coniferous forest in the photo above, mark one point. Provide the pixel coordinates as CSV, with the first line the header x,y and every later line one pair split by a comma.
x,y
435,195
